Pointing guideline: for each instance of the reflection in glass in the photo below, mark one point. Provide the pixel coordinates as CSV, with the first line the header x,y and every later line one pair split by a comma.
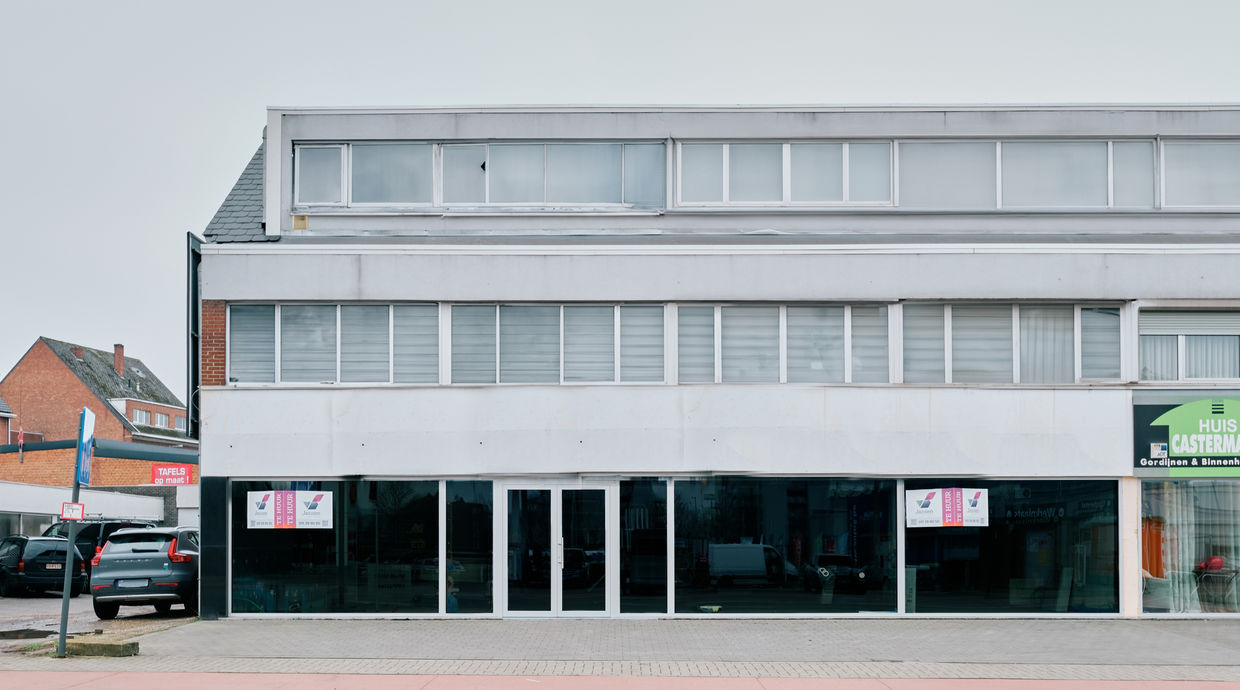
x,y
1050,547
469,547
643,546
583,577
529,550
380,556
758,545
1190,546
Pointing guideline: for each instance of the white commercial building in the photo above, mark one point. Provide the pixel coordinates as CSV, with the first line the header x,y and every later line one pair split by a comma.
x,y
724,361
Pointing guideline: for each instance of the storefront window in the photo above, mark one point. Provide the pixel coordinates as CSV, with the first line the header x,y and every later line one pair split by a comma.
x,y
1190,546
643,546
758,545
335,547
470,547
1050,547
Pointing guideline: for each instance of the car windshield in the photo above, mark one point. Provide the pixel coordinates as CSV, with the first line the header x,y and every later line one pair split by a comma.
x,y
137,543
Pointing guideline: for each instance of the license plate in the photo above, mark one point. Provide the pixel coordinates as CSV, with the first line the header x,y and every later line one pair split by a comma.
x,y
55,566
131,583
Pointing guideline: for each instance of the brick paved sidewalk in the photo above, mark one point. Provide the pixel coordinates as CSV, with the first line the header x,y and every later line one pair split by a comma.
x,y
1016,649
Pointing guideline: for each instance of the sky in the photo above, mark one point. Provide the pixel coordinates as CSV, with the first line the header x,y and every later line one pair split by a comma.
x,y
126,123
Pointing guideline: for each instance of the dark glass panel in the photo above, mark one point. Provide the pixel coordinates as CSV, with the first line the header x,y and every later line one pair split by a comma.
x,y
469,547
379,556
1050,547
759,545
583,577
529,550
643,546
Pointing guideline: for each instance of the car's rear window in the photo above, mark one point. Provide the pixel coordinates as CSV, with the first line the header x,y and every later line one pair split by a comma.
x,y
138,543
35,549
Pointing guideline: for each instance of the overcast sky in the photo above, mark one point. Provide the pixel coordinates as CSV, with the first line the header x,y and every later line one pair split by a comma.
x,y
126,123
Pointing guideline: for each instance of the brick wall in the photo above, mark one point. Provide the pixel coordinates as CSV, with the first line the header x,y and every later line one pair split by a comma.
x,y
48,398
55,468
214,337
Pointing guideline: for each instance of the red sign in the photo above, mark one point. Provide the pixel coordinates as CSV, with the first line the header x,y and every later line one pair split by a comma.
x,y
166,475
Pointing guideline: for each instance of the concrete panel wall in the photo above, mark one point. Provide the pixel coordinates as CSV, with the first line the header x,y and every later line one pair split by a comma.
x,y
779,430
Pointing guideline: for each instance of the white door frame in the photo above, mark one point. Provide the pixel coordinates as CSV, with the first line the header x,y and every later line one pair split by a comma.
x,y
611,501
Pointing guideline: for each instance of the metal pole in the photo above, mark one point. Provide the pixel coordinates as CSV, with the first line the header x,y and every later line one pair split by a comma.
x,y
69,574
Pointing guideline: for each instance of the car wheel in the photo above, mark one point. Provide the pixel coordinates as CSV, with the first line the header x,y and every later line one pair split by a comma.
x,y
105,610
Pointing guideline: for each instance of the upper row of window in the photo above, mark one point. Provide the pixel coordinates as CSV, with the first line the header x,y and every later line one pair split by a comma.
x,y
953,175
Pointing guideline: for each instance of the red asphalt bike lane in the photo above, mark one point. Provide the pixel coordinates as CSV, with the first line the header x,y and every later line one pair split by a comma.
x,y
57,680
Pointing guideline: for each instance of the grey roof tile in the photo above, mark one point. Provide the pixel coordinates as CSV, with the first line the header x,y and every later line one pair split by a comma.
x,y
240,217
4,409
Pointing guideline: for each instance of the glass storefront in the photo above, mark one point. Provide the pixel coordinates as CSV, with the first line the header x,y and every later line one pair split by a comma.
x,y
776,545
1190,546
1050,547
740,545
377,554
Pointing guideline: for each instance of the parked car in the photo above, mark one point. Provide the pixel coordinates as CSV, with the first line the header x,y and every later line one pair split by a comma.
x,y
92,534
749,564
37,564
838,567
154,566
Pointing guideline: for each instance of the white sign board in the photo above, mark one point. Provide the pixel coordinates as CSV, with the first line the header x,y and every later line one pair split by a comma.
x,y
72,511
289,509
950,507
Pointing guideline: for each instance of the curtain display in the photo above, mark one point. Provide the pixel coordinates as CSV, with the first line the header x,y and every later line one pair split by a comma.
x,y
1190,534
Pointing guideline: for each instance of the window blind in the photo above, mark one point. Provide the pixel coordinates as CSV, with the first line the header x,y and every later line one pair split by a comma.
x,y
641,343
696,344
982,343
815,344
750,337
364,343
869,345
308,343
529,344
252,343
589,343
415,347
473,343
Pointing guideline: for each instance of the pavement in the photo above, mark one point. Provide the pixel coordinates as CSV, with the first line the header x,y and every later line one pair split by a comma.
x,y
659,653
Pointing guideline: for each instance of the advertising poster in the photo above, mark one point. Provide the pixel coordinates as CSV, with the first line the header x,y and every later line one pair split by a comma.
x,y
289,509
949,507
1199,437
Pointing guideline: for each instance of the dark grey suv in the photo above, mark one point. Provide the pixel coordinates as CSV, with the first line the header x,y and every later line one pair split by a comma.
x,y
37,564
156,566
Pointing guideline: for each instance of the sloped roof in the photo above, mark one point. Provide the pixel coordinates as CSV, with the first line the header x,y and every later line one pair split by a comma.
x,y
4,408
95,370
240,217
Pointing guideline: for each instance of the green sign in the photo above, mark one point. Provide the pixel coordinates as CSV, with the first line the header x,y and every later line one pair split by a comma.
x,y
1197,438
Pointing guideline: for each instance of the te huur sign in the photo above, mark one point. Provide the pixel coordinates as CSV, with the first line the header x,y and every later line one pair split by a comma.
x,y
1181,437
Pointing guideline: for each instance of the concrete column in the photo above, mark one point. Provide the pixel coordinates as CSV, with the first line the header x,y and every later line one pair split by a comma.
x,y
1129,547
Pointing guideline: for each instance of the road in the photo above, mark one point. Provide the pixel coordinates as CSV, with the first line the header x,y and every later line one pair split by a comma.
x,y
35,618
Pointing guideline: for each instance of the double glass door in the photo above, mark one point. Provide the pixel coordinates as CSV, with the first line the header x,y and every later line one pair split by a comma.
x,y
559,559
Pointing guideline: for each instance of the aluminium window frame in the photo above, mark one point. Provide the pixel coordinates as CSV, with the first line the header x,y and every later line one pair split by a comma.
x,y
786,172
145,417
345,192
349,146
1160,178
155,420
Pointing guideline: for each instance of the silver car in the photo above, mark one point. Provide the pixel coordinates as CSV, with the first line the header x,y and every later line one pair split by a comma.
x,y
146,567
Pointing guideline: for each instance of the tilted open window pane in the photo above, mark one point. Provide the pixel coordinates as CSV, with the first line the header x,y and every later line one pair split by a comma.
x,y
696,344
308,343
1132,172
589,343
924,356
869,172
750,344
701,172
415,355
318,175
1202,173
1160,358
516,173
956,175
1055,174
641,343
982,344
464,174
1100,343
817,172
869,345
1211,356
756,172
815,344
645,174
584,173
364,343
473,344
529,344
1046,335
252,343
391,173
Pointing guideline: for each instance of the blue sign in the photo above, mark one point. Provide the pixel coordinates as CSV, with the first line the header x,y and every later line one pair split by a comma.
x,y
86,446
